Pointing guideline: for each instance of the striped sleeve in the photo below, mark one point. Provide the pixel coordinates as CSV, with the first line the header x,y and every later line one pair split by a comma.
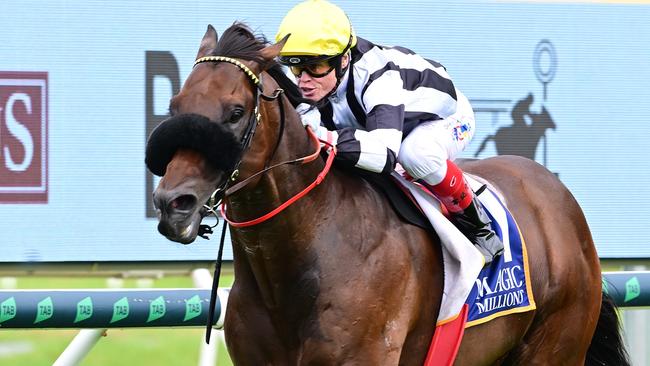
x,y
375,150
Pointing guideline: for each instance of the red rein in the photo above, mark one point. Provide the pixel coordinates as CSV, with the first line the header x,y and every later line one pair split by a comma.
x,y
328,164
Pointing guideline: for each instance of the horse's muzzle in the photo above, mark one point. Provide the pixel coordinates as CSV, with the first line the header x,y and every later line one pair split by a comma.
x,y
179,216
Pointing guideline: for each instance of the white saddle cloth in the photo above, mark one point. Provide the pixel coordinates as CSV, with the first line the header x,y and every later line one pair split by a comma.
x,y
462,261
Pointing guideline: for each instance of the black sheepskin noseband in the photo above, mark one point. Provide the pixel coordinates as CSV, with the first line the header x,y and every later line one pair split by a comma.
x,y
192,131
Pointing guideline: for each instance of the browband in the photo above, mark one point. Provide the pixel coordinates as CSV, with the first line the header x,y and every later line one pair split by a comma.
x,y
233,61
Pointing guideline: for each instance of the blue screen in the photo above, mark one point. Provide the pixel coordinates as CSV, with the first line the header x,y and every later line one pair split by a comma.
x,y
568,80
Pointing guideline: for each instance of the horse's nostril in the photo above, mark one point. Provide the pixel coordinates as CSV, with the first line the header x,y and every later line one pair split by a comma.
x,y
183,203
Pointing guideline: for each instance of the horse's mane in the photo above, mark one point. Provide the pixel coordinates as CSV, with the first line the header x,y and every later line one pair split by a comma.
x,y
239,41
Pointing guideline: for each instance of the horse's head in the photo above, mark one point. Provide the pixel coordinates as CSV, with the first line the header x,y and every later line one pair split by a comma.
x,y
213,119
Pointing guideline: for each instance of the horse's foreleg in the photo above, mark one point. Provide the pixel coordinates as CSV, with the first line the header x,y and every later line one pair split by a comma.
x,y
379,318
256,340
352,334
327,353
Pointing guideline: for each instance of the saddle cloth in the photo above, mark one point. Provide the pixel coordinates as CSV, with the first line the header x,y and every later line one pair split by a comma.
x,y
501,288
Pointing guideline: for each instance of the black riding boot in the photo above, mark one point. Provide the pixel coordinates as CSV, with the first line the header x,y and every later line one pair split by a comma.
x,y
475,224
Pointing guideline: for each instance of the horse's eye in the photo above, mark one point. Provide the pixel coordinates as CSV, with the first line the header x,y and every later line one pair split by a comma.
x,y
236,115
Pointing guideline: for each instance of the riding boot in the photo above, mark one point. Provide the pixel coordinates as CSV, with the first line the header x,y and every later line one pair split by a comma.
x,y
466,210
474,222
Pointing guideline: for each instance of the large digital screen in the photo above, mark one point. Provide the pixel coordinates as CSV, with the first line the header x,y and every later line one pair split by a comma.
x,y
82,83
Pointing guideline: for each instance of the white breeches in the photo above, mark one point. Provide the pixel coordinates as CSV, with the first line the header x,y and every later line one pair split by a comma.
x,y
425,151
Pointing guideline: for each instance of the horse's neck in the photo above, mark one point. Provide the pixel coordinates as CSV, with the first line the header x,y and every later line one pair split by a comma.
x,y
278,184
277,250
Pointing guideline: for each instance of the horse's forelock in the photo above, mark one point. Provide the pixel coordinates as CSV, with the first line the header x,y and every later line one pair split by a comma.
x,y
192,131
240,41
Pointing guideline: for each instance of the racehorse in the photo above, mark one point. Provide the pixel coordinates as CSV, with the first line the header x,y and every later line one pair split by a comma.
x,y
336,277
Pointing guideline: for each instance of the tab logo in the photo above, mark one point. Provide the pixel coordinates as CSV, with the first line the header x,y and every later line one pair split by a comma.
x,y
23,137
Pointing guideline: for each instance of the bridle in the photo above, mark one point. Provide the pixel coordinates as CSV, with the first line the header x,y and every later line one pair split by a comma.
x,y
219,192
225,188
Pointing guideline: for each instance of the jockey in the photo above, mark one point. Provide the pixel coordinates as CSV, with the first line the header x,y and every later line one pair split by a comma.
x,y
385,105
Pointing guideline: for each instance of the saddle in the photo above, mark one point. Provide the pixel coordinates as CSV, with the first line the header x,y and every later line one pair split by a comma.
x,y
400,199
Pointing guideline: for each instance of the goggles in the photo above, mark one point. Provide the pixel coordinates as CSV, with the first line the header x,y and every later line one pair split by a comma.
x,y
315,70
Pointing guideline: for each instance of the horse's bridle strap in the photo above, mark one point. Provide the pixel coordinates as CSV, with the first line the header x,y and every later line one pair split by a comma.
x,y
299,195
254,121
233,61
248,135
303,160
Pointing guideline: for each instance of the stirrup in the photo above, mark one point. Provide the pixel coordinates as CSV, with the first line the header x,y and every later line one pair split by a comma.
x,y
496,247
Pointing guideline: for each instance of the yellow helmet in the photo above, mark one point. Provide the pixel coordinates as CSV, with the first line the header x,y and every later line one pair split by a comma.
x,y
317,28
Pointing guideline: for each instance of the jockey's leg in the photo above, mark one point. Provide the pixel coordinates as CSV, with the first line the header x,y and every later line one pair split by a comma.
x,y
467,211
427,154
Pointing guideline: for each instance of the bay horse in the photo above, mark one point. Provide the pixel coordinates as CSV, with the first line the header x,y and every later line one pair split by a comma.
x,y
336,277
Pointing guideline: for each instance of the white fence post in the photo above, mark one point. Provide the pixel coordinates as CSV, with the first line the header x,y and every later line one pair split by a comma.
x,y
80,346
202,278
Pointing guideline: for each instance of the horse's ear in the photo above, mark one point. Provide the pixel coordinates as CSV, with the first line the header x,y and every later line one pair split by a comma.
x,y
208,43
269,53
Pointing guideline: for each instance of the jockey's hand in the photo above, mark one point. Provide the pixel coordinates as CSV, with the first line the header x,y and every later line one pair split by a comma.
x,y
310,116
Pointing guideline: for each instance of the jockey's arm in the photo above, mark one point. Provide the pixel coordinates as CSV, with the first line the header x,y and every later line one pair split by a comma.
x,y
376,148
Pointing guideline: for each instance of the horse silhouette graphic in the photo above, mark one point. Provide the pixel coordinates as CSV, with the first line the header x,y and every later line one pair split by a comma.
x,y
521,138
